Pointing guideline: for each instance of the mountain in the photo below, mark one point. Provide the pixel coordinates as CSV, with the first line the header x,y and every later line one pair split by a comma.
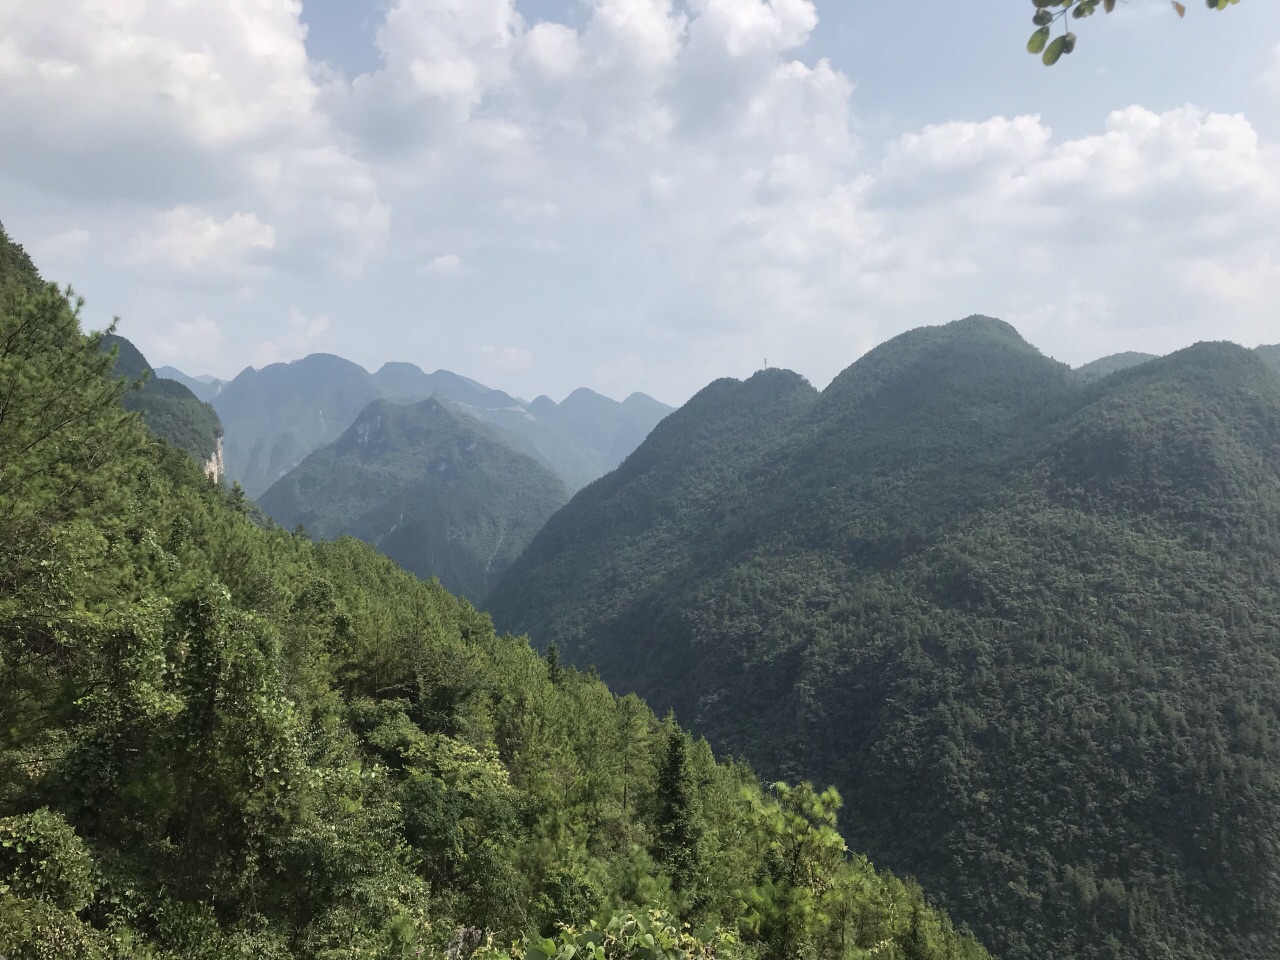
x,y
1115,362
1271,354
405,381
583,437
275,416
436,491
169,408
203,387
1028,625
221,740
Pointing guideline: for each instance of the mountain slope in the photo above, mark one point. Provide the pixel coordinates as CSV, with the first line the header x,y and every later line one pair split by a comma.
x,y
1271,354
432,489
219,740
1117,361
204,388
1027,625
172,411
275,416
17,272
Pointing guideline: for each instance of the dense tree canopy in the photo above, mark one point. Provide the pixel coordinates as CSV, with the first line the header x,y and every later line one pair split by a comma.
x,y
220,740
1025,621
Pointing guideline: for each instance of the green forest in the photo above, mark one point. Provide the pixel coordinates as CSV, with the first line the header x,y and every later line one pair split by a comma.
x,y
1027,621
437,491
219,739
168,408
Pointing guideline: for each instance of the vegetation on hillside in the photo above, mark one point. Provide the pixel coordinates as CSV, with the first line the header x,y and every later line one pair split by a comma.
x,y
435,490
168,407
220,740
1027,625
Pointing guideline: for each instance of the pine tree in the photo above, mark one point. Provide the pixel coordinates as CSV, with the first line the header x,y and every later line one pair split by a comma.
x,y
678,830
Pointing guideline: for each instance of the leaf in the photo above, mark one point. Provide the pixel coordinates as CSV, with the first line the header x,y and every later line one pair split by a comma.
x,y
1038,40
1053,52
1181,10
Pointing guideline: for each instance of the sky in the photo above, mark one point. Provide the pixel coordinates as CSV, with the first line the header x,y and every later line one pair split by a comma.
x,y
640,194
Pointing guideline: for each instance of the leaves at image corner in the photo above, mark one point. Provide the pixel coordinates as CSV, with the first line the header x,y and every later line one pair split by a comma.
x,y
1048,12
220,740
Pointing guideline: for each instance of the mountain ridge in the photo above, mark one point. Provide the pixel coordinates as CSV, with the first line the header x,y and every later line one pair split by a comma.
x,y
440,493
278,414
976,592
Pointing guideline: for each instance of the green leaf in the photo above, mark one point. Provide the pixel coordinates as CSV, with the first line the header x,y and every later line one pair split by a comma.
x,y
1054,51
1038,40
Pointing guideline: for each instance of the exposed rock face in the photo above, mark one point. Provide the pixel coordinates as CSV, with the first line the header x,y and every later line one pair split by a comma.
x,y
214,468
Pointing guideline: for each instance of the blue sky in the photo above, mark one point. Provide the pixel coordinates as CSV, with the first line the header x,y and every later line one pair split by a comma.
x,y
640,194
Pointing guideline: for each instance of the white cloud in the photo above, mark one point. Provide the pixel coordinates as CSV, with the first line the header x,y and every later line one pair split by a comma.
x,y
188,338
447,264
148,105
191,240
301,335
67,245
661,192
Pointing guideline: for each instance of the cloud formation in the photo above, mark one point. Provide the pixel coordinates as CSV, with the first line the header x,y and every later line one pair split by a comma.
x,y
660,193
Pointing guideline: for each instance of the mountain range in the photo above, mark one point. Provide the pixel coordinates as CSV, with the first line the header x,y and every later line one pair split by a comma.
x,y
437,491
1027,621
221,740
274,417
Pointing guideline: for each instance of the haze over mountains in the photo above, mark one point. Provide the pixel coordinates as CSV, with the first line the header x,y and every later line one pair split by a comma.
x,y
1028,622
275,416
437,491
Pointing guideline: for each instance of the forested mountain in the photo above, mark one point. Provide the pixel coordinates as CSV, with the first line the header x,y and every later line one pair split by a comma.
x,y
583,437
1112,364
1028,625
275,416
167,406
436,491
1122,361
219,740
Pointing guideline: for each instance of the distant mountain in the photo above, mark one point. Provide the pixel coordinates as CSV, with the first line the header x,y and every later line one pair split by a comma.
x,y
204,387
1027,624
438,492
1271,354
275,416
405,381
171,410
1112,364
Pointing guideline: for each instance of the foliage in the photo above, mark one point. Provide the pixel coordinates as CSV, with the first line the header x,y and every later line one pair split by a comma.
x,y
41,858
436,491
655,935
219,739
167,407
1026,624
1050,11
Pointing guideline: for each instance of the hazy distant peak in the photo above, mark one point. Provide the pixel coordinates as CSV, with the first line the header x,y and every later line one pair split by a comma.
x,y
1113,363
